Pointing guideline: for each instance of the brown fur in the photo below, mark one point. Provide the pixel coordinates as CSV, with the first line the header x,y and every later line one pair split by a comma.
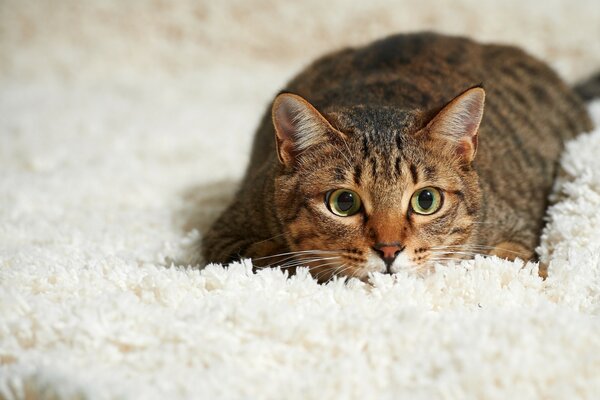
x,y
373,113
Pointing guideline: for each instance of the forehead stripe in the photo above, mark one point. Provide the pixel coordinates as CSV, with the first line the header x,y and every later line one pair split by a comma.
x,y
414,173
397,166
357,174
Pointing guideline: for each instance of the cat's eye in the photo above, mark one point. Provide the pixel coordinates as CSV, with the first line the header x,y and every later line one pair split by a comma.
x,y
343,202
426,201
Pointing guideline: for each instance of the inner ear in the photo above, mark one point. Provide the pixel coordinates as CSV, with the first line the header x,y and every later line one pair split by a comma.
x,y
298,126
457,124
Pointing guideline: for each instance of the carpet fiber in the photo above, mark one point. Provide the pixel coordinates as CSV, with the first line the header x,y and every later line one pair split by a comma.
x,y
124,127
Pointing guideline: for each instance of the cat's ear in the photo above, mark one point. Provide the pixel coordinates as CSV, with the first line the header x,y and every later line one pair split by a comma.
x,y
298,126
458,122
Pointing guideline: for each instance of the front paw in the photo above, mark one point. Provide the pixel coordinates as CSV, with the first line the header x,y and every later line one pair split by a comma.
x,y
511,251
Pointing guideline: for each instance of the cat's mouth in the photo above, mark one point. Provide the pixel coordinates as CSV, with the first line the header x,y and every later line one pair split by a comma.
x,y
343,265
403,263
325,264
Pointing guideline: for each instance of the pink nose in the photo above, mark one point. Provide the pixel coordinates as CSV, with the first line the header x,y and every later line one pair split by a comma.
x,y
388,252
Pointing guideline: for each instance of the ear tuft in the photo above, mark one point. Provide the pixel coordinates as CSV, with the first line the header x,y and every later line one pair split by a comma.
x,y
298,126
458,122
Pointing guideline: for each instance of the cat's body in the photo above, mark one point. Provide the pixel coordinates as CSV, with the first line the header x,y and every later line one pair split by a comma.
x,y
386,128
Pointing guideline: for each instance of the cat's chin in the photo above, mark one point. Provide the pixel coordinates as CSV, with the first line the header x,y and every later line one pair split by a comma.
x,y
374,264
403,263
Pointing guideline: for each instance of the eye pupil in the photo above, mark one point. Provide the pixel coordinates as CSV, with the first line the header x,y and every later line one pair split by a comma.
x,y
426,199
345,201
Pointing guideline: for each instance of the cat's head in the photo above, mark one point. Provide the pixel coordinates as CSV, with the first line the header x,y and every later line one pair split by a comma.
x,y
376,189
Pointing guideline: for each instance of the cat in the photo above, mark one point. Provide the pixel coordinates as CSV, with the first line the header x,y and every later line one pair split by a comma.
x,y
413,150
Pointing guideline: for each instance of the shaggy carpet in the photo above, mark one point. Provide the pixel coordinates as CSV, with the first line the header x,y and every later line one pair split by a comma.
x,y
124,127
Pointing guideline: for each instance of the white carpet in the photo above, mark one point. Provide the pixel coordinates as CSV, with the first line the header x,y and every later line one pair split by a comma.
x,y
123,125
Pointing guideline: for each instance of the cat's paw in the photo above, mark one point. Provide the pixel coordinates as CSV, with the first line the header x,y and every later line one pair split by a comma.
x,y
512,251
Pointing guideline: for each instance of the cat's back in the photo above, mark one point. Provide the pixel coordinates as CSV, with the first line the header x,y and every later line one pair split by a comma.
x,y
423,71
420,70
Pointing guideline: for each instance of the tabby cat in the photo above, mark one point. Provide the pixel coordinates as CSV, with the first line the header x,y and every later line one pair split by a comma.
x,y
413,150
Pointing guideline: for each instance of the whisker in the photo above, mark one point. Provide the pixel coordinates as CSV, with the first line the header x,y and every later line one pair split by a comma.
x,y
303,260
467,253
449,256
295,263
463,246
297,252
339,271
474,247
271,238
293,259
282,262
345,157
443,261
343,269
322,265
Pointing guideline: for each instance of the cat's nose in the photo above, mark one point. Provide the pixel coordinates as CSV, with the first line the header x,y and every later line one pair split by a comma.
x,y
388,252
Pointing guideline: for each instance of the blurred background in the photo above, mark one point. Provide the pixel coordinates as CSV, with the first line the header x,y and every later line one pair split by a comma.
x,y
125,39
123,111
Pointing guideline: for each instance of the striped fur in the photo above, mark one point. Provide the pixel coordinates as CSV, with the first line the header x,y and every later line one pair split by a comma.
x,y
378,102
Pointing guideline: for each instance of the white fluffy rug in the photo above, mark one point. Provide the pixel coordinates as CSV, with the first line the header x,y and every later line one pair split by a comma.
x,y
124,126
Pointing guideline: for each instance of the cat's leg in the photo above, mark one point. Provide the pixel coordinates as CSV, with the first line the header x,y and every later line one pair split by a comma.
x,y
222,245
513,250
230,236
242,233
266,253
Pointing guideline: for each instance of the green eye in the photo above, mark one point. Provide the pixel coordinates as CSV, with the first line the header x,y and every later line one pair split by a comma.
x,y
426,201
343,202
